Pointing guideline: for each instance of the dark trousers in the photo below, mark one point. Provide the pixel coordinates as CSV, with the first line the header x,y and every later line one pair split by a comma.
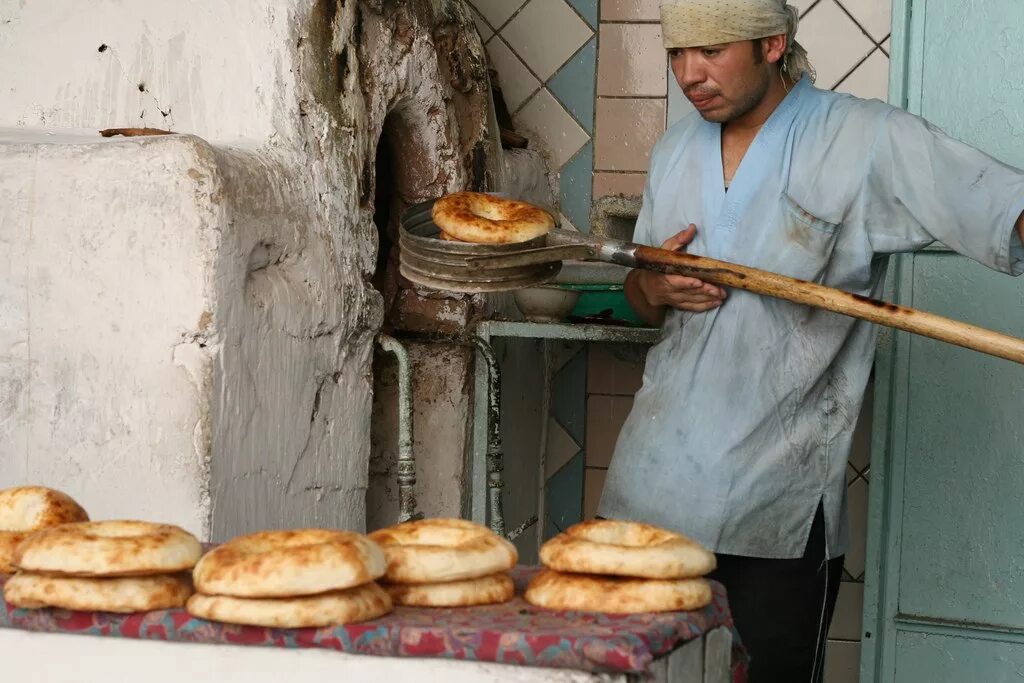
x,y
783,609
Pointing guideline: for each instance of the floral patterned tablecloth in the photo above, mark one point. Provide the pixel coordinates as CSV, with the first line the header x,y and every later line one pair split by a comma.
x,y
512,633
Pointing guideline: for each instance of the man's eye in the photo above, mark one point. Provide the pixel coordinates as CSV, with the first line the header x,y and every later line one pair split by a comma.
x,y
710,52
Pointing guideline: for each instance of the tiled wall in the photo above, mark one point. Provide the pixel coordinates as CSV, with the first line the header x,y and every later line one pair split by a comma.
x,y
545,52
587,81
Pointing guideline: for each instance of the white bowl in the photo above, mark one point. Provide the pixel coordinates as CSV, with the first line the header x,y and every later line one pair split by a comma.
x,y
545,304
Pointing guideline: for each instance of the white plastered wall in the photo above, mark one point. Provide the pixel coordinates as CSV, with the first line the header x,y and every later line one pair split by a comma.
x,y
186,327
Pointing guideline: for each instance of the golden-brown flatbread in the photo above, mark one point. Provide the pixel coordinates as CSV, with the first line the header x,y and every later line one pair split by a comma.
x,y
626,549
26,509
109,548
485,219
348,606
616,595
286,564
443,550
120,594
487,590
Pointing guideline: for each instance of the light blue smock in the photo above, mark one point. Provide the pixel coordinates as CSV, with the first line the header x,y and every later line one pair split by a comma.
x,y
747,412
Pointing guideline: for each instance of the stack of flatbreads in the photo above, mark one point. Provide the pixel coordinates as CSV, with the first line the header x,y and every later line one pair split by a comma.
x,y
109,566
446,563
623,568
291,579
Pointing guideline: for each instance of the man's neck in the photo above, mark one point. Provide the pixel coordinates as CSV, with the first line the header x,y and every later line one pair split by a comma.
x,y
752,121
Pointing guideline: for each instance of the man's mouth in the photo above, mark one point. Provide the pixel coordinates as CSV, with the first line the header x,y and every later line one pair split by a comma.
x,y
702,101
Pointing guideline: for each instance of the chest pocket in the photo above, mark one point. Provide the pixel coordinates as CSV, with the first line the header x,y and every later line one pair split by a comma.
x,y
804,242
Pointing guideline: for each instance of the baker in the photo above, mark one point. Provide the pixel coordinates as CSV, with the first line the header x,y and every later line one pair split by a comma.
x,y
740,435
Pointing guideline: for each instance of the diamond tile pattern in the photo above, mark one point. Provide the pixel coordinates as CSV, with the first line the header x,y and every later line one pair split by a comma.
x,y
497,12
573,85
587,9
546,33
564,497
576,184
561,136
834,41
516,81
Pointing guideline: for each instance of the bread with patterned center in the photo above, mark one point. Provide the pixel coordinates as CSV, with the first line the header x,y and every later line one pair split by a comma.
x,y
349,606
289,563
615,594
443,550
118,594
487,590
482,218
26,509
626,549
109,548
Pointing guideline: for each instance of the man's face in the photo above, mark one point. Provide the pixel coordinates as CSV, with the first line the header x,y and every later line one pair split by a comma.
x,y
723,82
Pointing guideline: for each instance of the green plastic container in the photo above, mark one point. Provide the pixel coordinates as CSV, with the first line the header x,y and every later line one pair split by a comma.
x,y
605,301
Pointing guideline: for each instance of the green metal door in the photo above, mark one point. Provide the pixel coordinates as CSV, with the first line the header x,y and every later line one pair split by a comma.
x,y
944,598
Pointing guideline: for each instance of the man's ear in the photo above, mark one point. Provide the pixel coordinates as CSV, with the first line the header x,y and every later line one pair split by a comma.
x,y
774,47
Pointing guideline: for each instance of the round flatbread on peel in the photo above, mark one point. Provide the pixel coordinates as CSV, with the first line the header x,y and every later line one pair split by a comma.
x,y
481,218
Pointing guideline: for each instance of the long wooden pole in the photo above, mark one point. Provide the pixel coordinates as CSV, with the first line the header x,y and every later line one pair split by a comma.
x,y
830,299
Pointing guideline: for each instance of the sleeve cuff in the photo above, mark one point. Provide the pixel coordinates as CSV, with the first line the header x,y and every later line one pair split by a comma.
x,y
1011,260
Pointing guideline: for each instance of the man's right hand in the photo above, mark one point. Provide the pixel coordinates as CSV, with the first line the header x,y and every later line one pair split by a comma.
x,y
678,291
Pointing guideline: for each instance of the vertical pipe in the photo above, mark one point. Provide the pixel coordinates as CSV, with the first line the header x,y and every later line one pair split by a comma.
x,y
406,460
495,459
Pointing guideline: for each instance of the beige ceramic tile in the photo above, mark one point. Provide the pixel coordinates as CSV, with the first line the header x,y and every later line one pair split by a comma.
x,y
545,34
626,184
497,12
556,131
482,26
560,448
614,374
801,5
857,496
842,662
846,622
873,15
605,416
630,10
626,131
592,487
834,42
631,61
517,83
870,80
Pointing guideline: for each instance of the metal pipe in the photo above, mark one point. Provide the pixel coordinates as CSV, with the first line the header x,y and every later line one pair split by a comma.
x,y
495,458
406,460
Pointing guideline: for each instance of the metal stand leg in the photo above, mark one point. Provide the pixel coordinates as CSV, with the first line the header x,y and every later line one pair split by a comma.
x,y
406,460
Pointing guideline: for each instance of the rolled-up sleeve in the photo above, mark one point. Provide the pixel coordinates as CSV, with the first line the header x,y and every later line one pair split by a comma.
x,y
922,186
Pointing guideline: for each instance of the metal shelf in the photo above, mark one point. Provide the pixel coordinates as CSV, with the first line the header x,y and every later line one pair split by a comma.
x,y
569,331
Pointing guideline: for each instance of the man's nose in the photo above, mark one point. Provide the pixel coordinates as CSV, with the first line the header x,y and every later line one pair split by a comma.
x,y
688,71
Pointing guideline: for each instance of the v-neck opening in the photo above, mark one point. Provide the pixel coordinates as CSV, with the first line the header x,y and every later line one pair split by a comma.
x,y
727,204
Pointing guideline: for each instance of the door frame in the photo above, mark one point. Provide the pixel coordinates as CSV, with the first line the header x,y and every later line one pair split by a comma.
x,y
882,620
889,435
